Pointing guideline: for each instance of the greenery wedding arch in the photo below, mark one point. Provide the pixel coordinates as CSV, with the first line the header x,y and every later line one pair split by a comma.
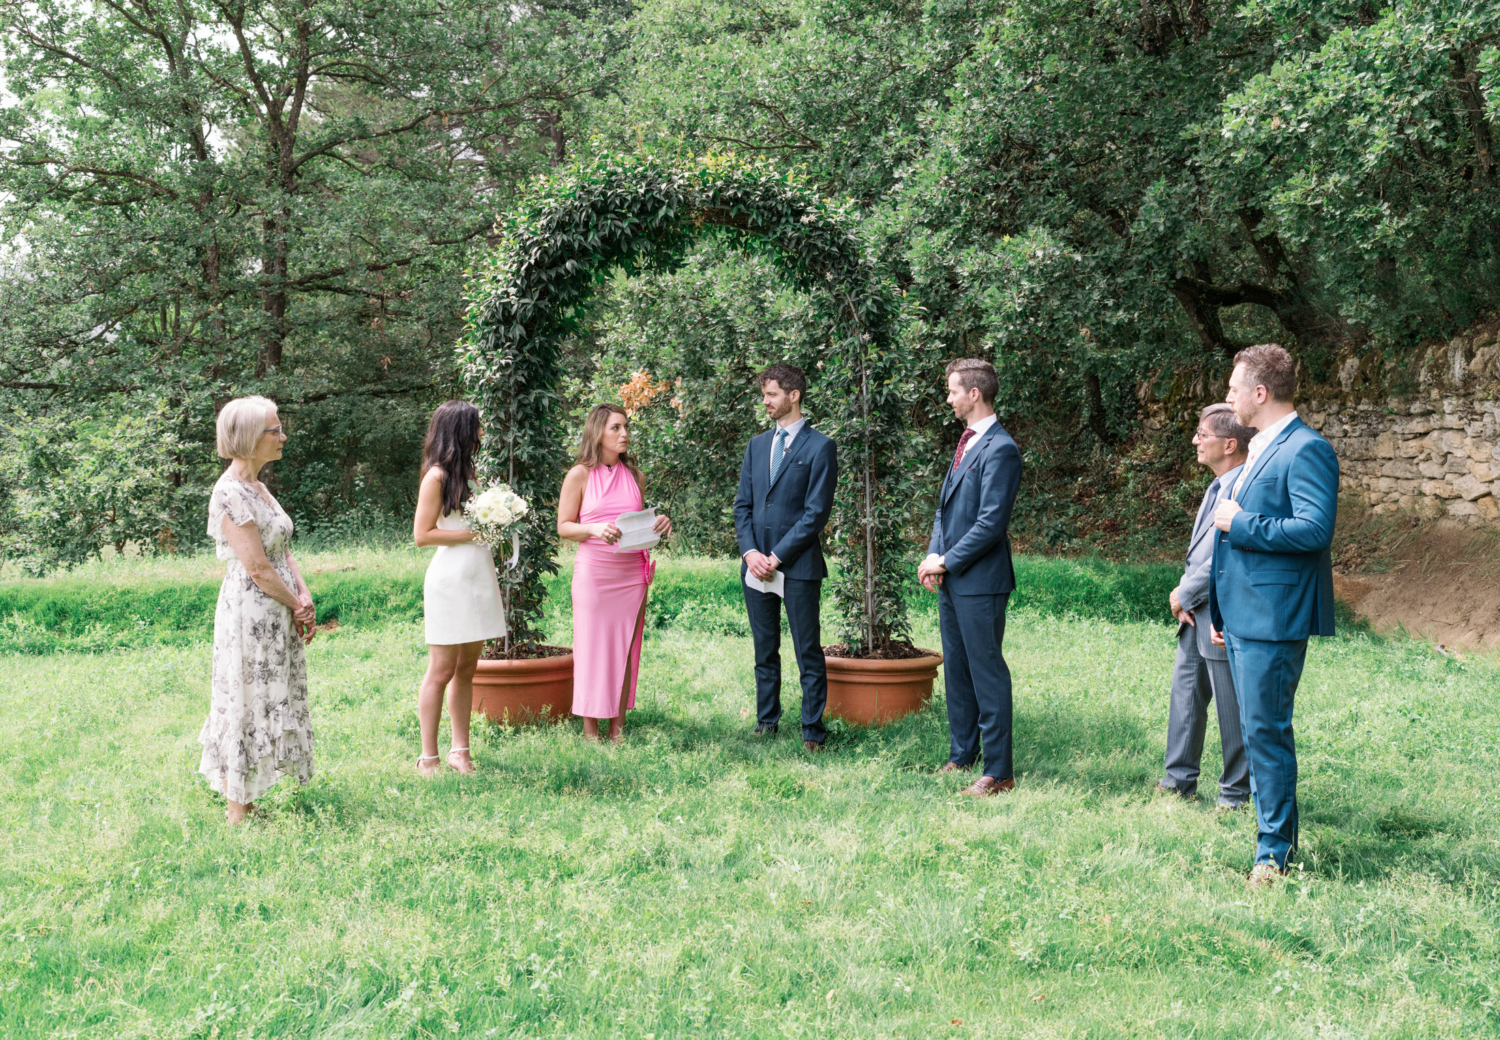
x,y
566,237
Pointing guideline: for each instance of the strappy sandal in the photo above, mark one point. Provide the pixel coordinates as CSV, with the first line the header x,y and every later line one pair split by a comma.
x,y
429,758
454,751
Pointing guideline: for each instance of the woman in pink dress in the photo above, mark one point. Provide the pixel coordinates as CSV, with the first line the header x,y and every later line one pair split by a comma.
x,y
609,587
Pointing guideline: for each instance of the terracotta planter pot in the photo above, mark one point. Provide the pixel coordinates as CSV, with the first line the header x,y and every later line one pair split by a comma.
x,y
877,692
525,691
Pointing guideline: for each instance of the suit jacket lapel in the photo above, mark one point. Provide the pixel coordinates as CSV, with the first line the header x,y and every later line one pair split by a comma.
x,y
967,462
760,462
1271,449
1204,523
791,450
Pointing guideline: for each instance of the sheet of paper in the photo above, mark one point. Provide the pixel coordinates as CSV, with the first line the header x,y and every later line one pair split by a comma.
x,y
777,584
636,530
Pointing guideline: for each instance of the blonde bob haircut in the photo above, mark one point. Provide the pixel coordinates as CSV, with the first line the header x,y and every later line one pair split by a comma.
x,y
241,422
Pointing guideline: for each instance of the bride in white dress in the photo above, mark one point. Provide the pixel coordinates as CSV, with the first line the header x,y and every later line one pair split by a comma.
x,y
461,594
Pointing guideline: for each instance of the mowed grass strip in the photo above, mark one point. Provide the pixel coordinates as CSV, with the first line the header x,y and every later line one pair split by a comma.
x,y
699,882
169,601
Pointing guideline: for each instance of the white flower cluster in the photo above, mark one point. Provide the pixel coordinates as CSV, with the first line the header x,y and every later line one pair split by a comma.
x,y
493,511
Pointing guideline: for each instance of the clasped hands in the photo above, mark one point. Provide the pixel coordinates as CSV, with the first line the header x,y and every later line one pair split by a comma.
x,y
305,618
761,565
609,534
930,572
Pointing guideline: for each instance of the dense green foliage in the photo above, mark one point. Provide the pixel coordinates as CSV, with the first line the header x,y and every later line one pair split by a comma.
x,y
699,882
640,215
205,200
1107,199
681,350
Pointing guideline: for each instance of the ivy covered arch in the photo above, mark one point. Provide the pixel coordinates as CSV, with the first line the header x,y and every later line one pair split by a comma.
x,y
567,236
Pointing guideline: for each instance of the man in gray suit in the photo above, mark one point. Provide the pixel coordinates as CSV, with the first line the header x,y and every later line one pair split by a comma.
x,y
1202,669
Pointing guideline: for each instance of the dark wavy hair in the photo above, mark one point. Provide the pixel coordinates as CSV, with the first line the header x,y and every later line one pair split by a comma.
x,y
452,438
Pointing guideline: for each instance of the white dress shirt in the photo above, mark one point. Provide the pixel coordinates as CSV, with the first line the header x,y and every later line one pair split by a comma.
x,y
791,435
978,428
1259,443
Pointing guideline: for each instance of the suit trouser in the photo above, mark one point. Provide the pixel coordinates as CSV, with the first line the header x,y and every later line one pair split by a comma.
x,y
803,602
1266,675
1195,681
977,680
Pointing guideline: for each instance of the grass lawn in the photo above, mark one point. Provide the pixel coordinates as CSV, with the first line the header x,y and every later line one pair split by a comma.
x,y
697,882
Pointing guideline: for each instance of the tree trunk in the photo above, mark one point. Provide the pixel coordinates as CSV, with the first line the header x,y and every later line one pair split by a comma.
x,y
1466,82
871,621
273,268
1198,18
1299,314
554,123
1098,420
1203,314
275,228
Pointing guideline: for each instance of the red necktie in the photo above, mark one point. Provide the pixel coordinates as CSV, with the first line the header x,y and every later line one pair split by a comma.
x,y
963,442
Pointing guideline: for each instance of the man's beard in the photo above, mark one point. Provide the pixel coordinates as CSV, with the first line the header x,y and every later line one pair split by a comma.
x,y
781,411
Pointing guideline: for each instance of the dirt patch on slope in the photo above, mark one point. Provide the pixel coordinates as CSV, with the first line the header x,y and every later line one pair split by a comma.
x,y
1440,583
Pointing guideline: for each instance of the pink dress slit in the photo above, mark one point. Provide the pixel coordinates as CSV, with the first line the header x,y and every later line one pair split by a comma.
x,y
609,589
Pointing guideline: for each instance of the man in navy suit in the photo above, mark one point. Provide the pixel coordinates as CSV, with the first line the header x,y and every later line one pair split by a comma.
x,y
1272,583
785,496
968,565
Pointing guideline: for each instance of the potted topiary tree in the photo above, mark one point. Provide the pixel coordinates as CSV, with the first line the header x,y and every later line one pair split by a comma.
x,y
564,239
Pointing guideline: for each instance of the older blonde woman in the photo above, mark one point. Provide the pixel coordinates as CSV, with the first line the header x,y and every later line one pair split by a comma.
x,y
258,727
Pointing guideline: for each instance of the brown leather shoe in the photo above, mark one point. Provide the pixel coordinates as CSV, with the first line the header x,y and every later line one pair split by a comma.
x,y
954,767
986,786
812,747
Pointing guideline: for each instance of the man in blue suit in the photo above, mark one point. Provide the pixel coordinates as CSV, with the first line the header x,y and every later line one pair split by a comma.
x,y
785,496
968,565
1272,583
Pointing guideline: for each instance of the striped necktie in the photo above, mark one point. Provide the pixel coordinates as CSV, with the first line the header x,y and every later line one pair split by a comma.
x,y
778,449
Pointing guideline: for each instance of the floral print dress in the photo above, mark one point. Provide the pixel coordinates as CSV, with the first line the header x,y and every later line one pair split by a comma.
x,y
258,727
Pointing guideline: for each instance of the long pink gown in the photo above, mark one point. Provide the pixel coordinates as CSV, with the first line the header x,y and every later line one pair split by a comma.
x,y
609,589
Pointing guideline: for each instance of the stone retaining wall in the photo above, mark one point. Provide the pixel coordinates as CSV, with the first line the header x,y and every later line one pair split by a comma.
x,y
1436,453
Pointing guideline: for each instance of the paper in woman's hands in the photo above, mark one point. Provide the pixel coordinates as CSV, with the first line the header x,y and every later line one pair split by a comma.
x,y
637,530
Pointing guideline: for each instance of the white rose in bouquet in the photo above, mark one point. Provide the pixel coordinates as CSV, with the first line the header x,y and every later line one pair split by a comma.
x,y
493,512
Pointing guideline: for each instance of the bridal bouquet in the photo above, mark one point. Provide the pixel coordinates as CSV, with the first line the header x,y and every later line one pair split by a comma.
x,y
493,513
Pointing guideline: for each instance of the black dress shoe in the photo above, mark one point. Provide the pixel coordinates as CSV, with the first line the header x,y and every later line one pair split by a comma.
x,y
763,730
1162,789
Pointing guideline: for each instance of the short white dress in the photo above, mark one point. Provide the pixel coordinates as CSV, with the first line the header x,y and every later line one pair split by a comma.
x,y
461,593
258,728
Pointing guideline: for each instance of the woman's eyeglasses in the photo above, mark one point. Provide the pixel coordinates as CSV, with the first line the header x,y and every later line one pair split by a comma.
x,y
279,431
